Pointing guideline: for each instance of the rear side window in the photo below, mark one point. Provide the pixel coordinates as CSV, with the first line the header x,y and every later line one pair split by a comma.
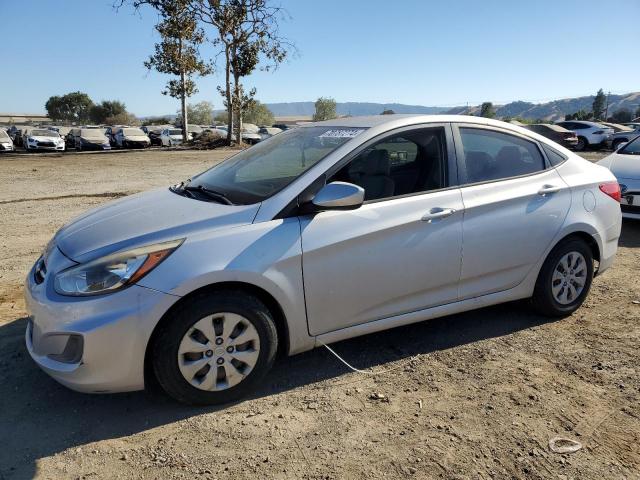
x,y
491,155
555,158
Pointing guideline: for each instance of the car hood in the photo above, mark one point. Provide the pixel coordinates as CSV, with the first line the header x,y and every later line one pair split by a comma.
x,y
95,140
136,138
43,139
622,166
144,219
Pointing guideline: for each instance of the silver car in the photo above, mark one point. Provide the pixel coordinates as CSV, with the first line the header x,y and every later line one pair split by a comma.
x,y
321,233
625,165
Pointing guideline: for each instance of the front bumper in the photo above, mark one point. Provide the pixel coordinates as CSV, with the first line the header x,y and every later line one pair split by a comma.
x,y
114,330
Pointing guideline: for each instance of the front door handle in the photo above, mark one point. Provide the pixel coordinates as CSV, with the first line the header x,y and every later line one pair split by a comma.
x,y
547,189
438,213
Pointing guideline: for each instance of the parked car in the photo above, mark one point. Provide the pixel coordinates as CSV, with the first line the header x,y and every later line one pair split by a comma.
x,y
268,132
155,134
558,134
171,137
70,138
282,126
250,133
111,131
131,137
16,136
194,131
201,284
617,127
6,144
624,137
91,139
590,134
632,125
43,139
624,163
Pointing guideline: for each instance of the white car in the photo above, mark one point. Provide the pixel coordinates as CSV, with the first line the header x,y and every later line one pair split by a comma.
x,y
590,134
250,133
6,144
43,139
171,137
393,219
131,137
624,163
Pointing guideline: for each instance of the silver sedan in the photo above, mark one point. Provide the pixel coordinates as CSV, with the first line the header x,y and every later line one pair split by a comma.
x,y
320,233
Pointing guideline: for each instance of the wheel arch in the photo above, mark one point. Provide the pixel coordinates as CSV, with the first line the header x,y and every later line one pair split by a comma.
x,y
261,294
586,237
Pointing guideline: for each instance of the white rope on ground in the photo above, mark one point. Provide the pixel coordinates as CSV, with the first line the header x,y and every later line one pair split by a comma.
x,y
357,370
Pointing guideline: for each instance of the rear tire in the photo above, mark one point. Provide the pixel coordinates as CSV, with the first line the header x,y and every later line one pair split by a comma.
x,y
227,379
564,279
582,144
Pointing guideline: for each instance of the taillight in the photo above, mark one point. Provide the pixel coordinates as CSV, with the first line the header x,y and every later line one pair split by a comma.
x,y
612,189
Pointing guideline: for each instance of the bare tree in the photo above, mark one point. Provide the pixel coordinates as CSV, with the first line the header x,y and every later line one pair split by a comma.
x,y
247,33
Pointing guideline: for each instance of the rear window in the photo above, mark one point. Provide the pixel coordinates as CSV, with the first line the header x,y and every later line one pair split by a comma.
x,y
555,158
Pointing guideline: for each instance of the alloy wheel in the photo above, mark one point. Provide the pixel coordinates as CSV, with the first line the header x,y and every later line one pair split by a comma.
x,y
569,278
218,351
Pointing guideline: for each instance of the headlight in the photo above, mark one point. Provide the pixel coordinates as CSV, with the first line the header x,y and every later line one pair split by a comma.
x,y
32,140
114,271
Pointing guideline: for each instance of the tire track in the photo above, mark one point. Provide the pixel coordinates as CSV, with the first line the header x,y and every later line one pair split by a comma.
x,y
73,195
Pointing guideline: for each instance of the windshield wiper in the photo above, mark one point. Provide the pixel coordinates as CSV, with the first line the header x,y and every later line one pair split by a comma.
x,y
220,197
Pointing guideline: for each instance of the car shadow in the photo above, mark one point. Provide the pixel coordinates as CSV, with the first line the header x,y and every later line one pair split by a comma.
x,y
630,236
39,417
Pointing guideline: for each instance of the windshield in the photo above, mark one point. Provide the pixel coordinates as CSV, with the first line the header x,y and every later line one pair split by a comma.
x,y
175,131
92,133
631,148
133,132
255,174
43,133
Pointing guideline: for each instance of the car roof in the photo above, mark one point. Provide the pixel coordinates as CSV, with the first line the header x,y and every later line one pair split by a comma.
x,y
400,120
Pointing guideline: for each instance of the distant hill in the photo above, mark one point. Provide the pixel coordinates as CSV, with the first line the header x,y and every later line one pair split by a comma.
x,y
557,109
350,108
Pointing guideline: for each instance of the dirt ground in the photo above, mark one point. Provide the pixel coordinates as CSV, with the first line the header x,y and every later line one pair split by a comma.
x,y
471,396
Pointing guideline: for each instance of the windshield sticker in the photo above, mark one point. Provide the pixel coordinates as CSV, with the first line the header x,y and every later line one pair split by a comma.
x,y
341,133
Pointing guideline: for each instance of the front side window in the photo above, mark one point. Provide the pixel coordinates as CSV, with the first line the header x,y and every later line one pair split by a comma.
x,y
491,155
259,172
402,164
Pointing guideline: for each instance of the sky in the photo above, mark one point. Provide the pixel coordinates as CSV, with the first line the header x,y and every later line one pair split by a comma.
x,y
419,52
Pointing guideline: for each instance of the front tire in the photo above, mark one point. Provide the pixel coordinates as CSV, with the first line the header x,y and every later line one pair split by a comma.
x,y
565,279
215,348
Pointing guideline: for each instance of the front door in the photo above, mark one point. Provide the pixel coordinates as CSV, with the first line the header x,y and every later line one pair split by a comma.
x,y
398,253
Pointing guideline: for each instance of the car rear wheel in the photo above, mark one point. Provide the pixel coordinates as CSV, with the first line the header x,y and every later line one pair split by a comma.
x,y
616,144
565,279
582,144
215,348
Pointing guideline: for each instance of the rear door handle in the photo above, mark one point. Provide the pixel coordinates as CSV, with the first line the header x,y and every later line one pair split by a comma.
x,y
437,213
547,189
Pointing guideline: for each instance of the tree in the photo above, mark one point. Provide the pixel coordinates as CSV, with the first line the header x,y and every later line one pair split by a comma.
x,y
623,115
579,115
258,114
122,118
73,108
599,105
487,110
325,109
107,108
177,53
388,112
200,113
247,33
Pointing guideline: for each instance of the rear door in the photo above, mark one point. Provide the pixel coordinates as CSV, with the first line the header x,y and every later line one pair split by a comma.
x,y
514,203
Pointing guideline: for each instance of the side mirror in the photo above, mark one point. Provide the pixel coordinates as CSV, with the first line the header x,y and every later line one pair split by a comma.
x,y
622,145
339,196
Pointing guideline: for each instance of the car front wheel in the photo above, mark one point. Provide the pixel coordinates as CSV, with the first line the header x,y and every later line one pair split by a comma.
x,y
215,348
565,279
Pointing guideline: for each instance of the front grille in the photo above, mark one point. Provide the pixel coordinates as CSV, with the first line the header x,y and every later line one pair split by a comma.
x,y
46,144
40,271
